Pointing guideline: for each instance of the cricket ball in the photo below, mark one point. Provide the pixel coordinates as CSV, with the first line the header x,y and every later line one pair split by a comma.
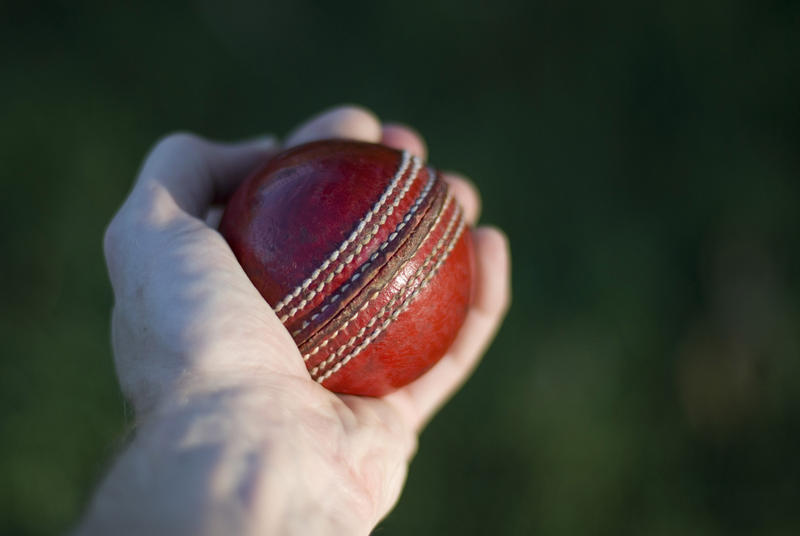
x,y
364,255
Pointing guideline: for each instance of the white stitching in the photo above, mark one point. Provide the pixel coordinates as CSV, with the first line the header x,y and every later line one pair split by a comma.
x,y
351,256
374,256
397,312
375,294
366,265
406,157
410,283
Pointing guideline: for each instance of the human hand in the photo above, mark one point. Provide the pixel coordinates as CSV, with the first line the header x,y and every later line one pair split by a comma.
x,y
232,432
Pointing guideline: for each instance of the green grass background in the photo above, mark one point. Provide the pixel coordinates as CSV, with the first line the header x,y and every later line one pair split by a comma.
x,y
644,159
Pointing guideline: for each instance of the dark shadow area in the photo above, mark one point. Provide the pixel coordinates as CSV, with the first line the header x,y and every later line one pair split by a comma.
x,y
644,159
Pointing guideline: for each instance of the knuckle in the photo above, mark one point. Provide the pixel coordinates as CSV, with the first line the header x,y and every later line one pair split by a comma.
x,y
179,140
173,153
112,237
120,240
177,144
117,249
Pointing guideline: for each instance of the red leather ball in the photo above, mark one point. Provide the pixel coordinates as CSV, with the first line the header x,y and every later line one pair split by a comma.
x,y
364,255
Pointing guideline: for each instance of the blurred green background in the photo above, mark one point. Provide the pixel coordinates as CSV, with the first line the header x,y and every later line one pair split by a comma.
x,y
644,159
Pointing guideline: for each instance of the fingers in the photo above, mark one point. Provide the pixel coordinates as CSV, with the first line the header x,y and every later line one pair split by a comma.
x,y
466,194
418,401
493,295
404,138
349,122
353,122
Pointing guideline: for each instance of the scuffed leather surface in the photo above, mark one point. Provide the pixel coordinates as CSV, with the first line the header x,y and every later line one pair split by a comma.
x,y
290,215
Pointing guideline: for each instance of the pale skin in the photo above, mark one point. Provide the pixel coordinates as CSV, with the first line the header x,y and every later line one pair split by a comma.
x,y
231,434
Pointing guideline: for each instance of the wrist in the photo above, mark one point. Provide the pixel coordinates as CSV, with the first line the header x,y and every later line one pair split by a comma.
x,y
231,460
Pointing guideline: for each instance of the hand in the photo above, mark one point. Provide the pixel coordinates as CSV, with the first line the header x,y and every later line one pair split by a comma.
x,y
232,434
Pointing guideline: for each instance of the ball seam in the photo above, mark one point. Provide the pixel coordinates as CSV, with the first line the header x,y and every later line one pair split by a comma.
x,y
377,292
399,310
357,275
403,165
349,259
